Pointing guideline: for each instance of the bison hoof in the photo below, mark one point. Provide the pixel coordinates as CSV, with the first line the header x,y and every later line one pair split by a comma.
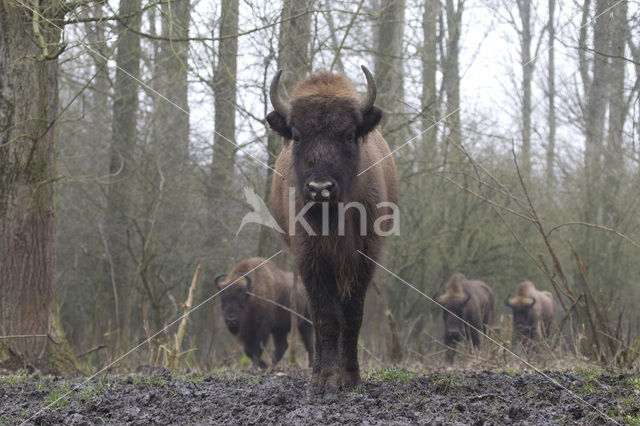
x,y
352,379
326,383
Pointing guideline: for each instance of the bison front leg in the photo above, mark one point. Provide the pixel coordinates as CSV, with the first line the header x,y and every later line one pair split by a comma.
x,y
253,348
280,343
306,332
328,322
353,312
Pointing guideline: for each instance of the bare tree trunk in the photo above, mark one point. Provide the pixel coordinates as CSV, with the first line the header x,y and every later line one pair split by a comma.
x,y
167,183
430,108
293,58
121,166
171,69
224,152
28,113
388,68
614,160
595,113
524,8
451,73
102,316
551,81
225,99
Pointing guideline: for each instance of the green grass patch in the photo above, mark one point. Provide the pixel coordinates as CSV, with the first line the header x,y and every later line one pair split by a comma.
x,y
223,373
12,380
193,378
245,361
633,382
94,390
391,373
59,397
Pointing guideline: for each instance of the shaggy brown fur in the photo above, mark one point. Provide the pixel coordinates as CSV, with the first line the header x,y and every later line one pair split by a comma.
x,y
333,139
532,313
470,300
251,319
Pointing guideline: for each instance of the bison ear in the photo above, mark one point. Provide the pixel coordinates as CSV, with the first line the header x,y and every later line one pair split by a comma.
x,y
278,124
370,120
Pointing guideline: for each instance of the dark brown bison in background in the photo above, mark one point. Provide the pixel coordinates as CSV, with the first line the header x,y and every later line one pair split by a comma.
x,y
251,319
532,313
330,136
471,301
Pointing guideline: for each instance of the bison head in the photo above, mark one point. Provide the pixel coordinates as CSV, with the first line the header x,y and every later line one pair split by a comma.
x,y
326,130
452,316
234,300
523,317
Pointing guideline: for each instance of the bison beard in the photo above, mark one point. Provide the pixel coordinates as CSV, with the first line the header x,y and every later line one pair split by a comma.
x,y
329,137
251,319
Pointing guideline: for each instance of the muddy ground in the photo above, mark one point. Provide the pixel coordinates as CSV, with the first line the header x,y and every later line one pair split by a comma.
x,y
387,397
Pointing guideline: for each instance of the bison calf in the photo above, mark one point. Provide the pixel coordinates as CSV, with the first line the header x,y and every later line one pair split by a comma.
x,y
251,315
467,302
532,313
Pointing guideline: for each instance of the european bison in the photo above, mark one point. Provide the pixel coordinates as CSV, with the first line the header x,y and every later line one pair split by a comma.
x,y
532,313
471,301
251,319
335,165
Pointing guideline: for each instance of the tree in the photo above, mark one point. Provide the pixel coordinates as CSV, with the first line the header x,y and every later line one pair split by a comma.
x,y
451,71
551,87
527,64
29,48
121,167
293,59
224,88
388,68
596,107
614,158
430,107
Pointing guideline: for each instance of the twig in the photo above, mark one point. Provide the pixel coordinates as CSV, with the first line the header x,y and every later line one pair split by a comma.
x,y
97,348
174,355
22,336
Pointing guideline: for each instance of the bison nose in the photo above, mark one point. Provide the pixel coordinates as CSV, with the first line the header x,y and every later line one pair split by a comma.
x,y
320,190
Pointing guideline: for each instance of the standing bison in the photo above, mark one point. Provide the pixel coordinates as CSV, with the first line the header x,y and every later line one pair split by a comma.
x,y
334,190
532,313
471,301
251,318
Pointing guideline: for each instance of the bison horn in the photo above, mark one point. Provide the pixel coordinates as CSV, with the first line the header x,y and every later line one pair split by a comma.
x,y
534,301
370,98
217,278
248,283
279,105
506,302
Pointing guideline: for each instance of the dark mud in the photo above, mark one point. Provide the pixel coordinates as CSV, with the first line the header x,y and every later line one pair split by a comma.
x,y
388,397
